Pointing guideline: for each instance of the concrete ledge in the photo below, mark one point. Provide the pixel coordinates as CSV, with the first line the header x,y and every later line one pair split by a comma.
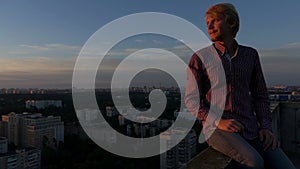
x,y
208,159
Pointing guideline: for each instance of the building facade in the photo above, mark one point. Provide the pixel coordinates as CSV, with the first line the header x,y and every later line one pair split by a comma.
x,y
42,104
33,129
28,158
183,152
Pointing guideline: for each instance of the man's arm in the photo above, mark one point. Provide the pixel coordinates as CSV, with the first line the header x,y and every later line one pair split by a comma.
x,y
260,95
194,96
194,89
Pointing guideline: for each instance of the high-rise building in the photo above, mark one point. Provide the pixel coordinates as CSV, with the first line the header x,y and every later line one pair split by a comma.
x,y
3,145
9,125
33,129
179,155
27,158
288,126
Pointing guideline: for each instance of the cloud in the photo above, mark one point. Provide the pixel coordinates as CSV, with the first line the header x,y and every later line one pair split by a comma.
x,y
281,65
139,40
53,79
292,45
287,50
41,72
53,49
285,56
38,48
31,64
122,52
159,42
52,46
46,66
63,46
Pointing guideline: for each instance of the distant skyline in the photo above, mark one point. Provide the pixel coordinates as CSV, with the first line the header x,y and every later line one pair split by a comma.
x,y
40,41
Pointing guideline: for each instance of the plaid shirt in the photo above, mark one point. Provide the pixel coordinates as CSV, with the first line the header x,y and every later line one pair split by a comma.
x,y
247,98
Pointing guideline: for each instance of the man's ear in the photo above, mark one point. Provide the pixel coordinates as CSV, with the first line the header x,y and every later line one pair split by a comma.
x,y
233,24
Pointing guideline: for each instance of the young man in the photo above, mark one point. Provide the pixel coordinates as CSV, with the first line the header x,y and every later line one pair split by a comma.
x,y
244,131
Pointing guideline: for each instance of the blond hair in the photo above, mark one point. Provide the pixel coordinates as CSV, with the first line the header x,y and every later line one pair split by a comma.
x,y
229,12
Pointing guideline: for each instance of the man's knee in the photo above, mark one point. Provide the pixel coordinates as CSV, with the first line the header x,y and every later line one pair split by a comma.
x,y
254,161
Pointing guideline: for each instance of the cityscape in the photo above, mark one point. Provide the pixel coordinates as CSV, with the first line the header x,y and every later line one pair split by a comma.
x,y
127,61
40,129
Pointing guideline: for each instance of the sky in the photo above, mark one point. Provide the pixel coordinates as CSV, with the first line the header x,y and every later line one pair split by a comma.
x,y
40,40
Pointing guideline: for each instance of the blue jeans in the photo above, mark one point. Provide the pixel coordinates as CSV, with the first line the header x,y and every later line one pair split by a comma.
x,y
248,153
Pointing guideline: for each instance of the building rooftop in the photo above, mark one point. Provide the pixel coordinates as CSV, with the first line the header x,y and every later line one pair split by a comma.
x,y
208,159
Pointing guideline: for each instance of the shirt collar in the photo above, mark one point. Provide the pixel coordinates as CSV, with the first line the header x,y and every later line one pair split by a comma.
x,y
222,49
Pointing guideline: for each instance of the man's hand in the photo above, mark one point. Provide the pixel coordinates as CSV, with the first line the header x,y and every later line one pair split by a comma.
x,y
269,139
230,125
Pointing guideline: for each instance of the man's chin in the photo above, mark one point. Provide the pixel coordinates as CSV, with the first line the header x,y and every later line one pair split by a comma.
x,y
213,39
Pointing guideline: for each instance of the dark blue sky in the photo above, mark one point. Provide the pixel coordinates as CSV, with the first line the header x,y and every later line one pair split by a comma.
x,y
40,40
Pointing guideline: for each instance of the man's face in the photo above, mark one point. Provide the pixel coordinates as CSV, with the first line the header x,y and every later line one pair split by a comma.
x,y
217,28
